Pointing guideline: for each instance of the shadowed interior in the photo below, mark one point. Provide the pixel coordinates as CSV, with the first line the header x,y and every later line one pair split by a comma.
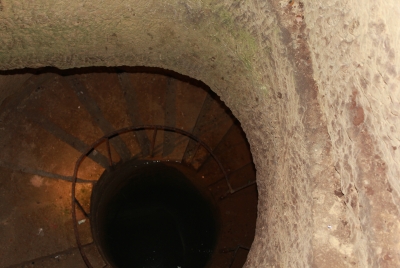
x,y
67,111
150,214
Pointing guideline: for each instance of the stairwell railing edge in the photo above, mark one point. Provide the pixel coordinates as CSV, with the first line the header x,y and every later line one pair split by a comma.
x,y
106,138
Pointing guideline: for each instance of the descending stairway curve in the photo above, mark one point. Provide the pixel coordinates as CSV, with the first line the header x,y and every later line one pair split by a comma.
x,y
54,117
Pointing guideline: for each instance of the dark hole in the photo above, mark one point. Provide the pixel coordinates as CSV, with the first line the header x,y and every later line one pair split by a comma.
x,y
152,215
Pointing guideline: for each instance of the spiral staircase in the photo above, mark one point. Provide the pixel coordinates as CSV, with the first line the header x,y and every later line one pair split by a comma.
x,y
55,117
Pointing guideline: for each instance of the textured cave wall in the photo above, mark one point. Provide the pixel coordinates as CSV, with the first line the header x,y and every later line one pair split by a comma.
x,y
313,84
355,51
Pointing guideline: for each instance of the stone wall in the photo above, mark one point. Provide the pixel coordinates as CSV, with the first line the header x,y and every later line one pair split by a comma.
x,y
354,47
313,84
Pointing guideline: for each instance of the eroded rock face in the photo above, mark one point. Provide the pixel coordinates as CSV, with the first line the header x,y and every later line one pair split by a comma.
x,y
357,75
314,84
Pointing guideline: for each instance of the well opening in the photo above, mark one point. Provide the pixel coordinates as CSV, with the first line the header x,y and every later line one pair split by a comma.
x,y
149,214
67,110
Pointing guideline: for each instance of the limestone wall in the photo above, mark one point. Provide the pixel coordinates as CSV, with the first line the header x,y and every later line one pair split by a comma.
x,y
313,84
354,46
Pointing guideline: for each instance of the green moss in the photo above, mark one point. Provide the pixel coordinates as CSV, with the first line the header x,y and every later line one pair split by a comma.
x,y
225,18
225,31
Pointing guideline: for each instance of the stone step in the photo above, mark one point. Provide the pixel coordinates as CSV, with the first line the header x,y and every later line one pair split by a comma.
x,y
59,102
65,259
55,107
107,91
233,151
24,86
236,231
145,95
183,105
96,93
212,124
39,152
12,85
239,179
35,215
133,113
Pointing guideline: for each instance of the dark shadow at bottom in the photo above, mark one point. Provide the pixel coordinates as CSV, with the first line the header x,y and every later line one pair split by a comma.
x,y
158,219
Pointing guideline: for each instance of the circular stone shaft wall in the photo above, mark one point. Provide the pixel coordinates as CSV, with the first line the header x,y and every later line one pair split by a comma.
x,y
315,85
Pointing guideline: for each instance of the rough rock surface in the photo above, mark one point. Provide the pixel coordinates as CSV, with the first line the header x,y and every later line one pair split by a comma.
x,y
315,85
